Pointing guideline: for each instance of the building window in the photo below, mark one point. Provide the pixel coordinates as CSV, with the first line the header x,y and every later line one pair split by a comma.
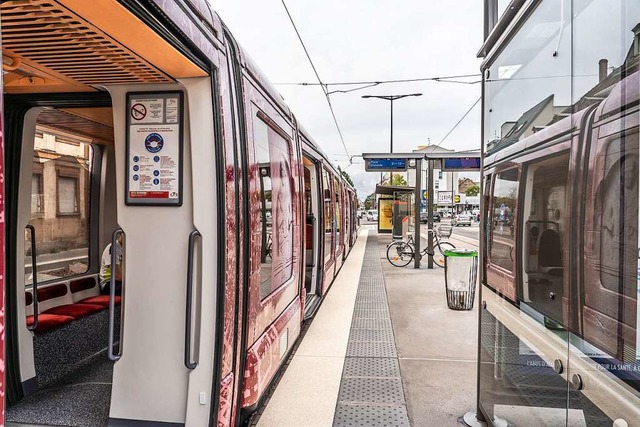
x,y
68,195
37,194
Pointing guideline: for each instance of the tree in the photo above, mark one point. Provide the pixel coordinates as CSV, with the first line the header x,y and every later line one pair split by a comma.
x,y
472,191
398,180
370,201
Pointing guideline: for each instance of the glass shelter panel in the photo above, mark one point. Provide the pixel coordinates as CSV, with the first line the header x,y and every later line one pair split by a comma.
x,y
527,86
561,104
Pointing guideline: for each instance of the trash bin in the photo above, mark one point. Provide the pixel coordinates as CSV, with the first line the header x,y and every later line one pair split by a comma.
x,y
460,275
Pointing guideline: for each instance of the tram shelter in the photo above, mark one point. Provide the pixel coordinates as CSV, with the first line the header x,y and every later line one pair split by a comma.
x,y
401,162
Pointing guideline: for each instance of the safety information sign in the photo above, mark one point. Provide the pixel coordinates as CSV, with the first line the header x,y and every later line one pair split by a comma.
x,y
154,148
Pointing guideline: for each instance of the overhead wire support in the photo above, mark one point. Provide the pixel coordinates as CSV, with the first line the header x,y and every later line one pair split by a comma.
x,y
324,86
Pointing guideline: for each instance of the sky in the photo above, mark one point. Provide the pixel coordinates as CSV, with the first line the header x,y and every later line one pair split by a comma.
x,y
368,40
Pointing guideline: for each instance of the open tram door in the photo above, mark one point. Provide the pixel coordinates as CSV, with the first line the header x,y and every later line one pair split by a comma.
x,y
87,87
312,278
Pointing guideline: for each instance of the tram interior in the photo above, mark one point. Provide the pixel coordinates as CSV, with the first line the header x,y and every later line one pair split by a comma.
x,y
311,192
57,54
67,179
544,234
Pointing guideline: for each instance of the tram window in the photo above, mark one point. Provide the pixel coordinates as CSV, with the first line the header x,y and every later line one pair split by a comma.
x,y
503,205
273,154
60,205
545,227
328,216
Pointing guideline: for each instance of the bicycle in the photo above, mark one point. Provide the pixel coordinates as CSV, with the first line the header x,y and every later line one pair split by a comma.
x,y
401,253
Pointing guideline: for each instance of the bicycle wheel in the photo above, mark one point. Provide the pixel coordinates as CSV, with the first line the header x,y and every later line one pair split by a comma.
x,y
438,256
400,254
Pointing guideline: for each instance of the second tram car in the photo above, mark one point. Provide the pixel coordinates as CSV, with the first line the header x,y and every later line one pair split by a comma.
x,y
139,139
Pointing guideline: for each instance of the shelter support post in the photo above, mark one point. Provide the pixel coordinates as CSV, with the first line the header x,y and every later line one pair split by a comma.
x,y
416,212
430,194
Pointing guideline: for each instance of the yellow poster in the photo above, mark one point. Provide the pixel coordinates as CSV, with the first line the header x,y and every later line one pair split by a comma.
x,y
386,214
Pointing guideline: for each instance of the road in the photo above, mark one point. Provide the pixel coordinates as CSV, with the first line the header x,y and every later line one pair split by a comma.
x,y
463,236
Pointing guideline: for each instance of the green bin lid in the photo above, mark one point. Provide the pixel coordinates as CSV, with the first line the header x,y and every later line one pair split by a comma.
x,y
460,253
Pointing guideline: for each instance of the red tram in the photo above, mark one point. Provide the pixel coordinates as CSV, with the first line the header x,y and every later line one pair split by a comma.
x,y
141,124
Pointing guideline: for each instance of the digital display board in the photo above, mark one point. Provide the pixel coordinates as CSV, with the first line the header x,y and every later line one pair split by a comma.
x,y
382,165
461,164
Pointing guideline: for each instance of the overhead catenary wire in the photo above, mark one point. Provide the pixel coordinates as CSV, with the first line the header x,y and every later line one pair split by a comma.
x,y
457,124
442,79
320,83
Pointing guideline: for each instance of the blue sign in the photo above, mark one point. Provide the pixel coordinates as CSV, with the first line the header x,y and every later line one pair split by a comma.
x,y
386,164
461,164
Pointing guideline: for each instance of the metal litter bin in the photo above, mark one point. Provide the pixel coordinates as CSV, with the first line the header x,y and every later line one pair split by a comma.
x,y
460,275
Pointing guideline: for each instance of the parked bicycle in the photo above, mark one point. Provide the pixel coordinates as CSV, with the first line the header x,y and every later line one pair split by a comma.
x,y
401,253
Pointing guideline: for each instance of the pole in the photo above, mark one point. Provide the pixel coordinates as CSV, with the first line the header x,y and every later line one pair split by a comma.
x,y
416,213
452,203
430,211
391,173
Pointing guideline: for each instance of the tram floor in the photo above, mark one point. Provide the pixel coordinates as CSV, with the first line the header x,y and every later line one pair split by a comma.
x,y
79,399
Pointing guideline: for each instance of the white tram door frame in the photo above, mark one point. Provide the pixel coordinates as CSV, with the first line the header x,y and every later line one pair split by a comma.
x,y
25,337
150,381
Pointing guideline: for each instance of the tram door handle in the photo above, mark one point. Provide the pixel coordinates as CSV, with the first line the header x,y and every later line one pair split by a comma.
x,y
188,332
34,275
115,356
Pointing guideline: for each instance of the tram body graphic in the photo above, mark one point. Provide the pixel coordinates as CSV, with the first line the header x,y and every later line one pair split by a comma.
x,y
559,336
158,195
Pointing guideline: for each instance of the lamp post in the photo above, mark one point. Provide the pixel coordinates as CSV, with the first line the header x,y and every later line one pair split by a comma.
x,y
391,98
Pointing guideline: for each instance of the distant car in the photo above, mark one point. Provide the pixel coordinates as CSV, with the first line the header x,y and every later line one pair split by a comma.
x,y
372,215
462,219
424,217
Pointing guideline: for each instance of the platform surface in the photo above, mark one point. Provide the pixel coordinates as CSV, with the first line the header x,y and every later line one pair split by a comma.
x,y
383,350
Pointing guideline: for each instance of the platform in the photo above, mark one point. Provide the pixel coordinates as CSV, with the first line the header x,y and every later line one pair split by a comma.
x,y
383,350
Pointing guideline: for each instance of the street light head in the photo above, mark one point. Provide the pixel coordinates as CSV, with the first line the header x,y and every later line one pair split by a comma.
x,y
416,94
366,96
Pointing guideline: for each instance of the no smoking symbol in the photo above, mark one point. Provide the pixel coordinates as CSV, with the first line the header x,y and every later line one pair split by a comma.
x,y
138,111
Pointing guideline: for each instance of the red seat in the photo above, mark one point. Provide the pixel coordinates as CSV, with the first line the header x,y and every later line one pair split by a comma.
x,y
75,310
102,300
49,321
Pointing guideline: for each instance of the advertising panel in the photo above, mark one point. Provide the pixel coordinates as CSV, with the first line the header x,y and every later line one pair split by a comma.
x,y
385,216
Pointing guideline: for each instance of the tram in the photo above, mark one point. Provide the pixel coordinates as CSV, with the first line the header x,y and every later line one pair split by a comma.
x,y
137,135
559,338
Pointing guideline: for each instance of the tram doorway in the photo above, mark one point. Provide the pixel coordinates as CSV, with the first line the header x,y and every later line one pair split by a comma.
x,y
67,205
312,277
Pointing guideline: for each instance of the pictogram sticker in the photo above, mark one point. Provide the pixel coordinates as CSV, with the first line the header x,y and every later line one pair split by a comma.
x,y
138,111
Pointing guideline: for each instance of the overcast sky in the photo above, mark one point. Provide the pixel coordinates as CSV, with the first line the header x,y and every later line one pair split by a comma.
x,y
368,40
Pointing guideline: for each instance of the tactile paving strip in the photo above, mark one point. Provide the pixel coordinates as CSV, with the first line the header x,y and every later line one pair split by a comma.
x,y
379,367
371,416
371,388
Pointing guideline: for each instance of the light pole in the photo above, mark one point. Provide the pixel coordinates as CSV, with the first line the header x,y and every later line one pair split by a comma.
x,y
391,98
